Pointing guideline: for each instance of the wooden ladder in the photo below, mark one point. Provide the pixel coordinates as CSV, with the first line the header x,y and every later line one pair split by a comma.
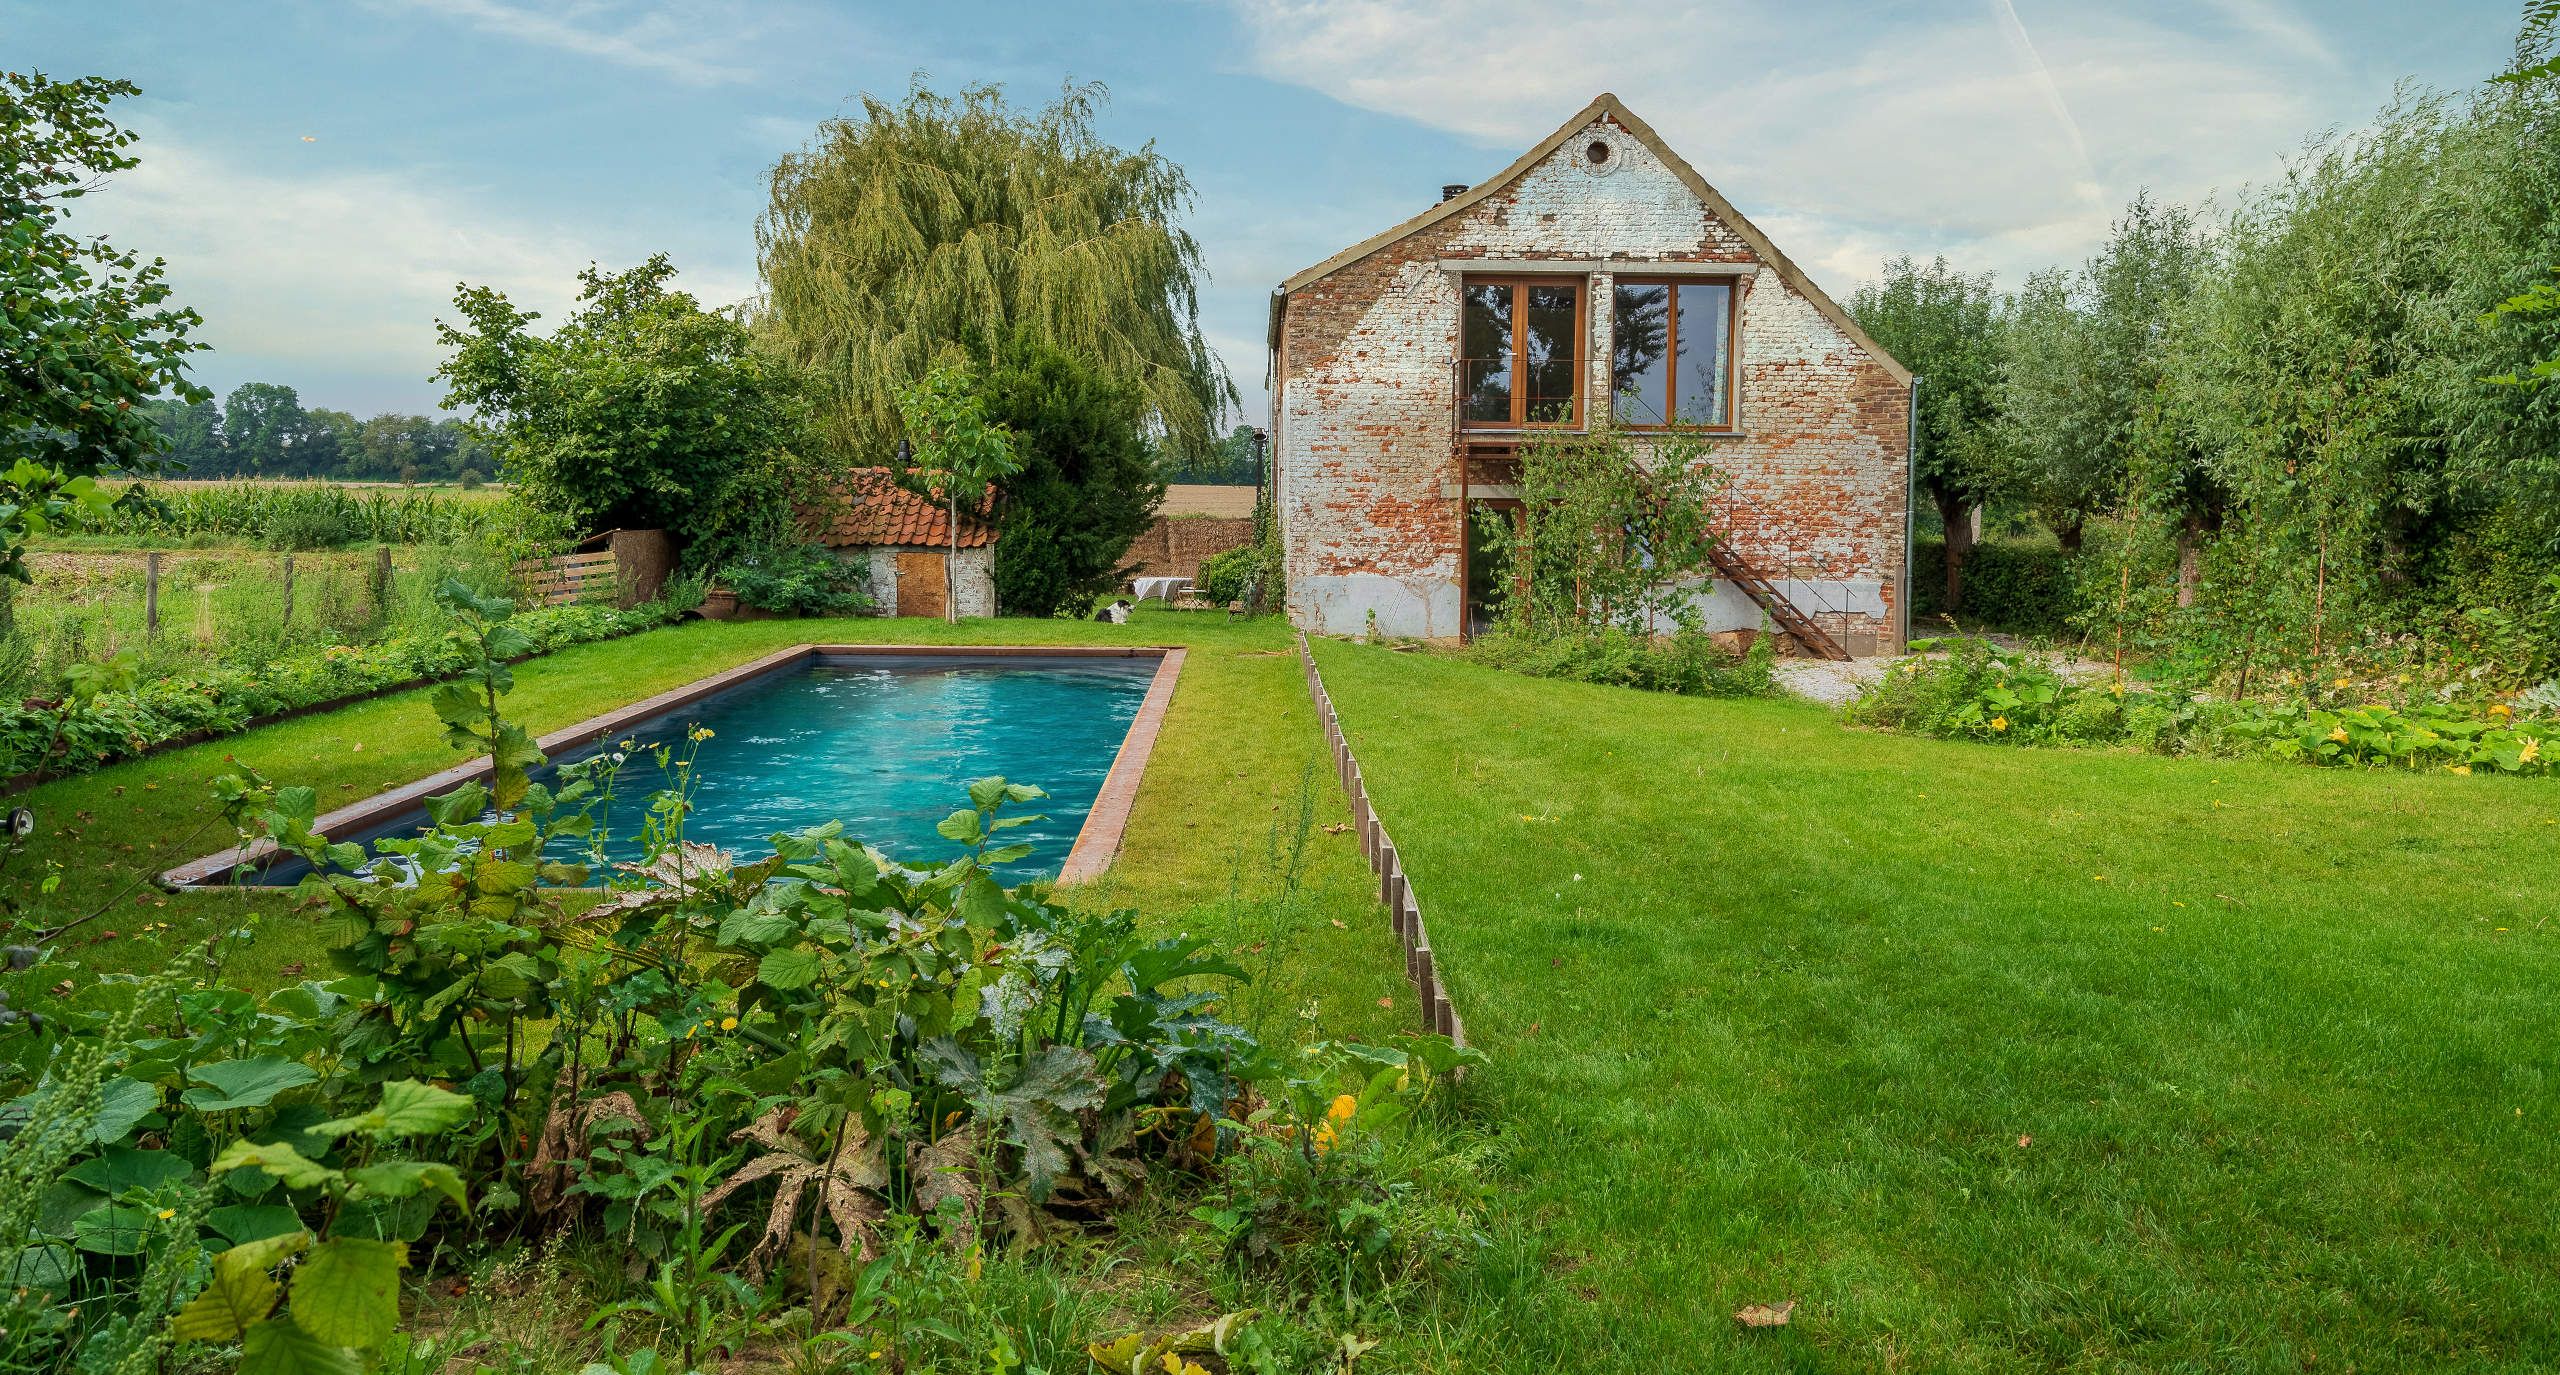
x,y
1738,571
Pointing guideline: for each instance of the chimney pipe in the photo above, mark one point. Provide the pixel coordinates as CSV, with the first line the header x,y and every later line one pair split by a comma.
x,y
1452,190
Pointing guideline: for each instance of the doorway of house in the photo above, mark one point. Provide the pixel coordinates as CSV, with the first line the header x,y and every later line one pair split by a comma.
x,y
1490,522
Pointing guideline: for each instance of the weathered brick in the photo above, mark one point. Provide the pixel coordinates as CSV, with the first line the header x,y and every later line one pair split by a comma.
x,y
1364,427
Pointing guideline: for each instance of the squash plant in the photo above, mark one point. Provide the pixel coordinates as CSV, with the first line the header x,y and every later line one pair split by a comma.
x,y
344,1297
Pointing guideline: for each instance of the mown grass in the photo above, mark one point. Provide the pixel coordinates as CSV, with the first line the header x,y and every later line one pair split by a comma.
x,y
1994,1059
1221,796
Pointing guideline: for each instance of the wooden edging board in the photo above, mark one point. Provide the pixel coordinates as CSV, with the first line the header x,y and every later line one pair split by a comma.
x,y
1096,842
1395,888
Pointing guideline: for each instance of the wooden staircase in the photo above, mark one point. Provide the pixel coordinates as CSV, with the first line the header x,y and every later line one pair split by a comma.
x,y
1738,571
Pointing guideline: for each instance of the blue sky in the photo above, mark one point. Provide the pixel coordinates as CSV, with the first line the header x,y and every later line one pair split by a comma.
x,y
320,173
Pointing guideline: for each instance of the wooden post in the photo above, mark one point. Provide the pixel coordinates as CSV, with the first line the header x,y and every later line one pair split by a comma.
x,y
151,596
382,582
287,619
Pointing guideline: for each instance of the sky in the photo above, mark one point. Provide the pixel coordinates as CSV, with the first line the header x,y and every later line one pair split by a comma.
x,y
320,174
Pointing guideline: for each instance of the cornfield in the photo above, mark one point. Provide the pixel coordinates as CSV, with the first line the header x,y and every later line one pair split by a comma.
x,y
312,515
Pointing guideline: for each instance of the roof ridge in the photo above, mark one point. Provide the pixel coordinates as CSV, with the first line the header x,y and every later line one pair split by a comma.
x,y
1608,106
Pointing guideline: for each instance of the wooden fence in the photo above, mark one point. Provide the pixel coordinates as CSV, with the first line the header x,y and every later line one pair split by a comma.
x,y
630,568
572,578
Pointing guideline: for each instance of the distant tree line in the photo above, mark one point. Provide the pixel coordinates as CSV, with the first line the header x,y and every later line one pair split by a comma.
x,y
262,429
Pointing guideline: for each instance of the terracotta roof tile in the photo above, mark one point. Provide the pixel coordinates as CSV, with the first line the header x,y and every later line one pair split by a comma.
x,y
876,510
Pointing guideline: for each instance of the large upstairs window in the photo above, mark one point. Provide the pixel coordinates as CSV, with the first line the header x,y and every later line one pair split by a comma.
x,y
1519,352
1671,353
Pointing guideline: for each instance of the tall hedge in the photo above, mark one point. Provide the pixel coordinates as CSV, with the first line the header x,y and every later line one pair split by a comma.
x,y
2022,588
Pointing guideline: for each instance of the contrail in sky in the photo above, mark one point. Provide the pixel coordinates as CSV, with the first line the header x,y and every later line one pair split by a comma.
x,y
2016,33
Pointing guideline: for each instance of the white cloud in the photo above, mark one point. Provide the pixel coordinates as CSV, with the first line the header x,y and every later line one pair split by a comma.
x,y
343,274
2005,138
698,43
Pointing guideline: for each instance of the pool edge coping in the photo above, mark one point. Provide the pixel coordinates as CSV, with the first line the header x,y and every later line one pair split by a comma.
x,y
212,872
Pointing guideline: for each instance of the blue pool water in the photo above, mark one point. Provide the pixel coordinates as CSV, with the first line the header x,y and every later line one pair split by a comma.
x,y
885,744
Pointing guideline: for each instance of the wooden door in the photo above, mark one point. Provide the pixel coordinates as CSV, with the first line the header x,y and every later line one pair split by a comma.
x,y
921,590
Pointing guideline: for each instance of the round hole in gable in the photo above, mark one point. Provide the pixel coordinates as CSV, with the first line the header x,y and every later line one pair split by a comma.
x,y
1597,153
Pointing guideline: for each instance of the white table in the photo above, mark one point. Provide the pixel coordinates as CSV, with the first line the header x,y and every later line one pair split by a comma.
x,y
1163,589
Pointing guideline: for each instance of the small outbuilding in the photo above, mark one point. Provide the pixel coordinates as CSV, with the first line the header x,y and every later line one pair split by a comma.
x,y
903,540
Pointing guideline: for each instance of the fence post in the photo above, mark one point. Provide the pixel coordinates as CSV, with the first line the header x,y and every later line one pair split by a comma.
x,y
382,582
287,619
151,596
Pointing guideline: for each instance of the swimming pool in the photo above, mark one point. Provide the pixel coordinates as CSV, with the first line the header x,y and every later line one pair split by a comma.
x,y
884,741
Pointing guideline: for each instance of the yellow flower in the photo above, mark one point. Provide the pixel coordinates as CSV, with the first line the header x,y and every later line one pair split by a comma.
x,y
168,1213
2532,750
1999,723
2464,769
728,1024
2339,734
2502,711
2344,681
699,734
1343,1108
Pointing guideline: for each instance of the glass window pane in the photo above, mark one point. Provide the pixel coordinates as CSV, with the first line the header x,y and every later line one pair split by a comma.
x,y
1554,354
1484,352
1705,309
1639,345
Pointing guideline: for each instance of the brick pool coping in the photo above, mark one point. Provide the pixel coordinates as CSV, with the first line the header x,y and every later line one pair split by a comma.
x,y
1097,841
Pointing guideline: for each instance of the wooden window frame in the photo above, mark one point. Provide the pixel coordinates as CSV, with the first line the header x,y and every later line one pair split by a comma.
x,y
1732,422
1520,285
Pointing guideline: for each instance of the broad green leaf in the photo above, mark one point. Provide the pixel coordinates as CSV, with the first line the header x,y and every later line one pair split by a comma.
x,y
240,1223
962,826
347,1292
747,925
50,1267
279,1346
252,1083
112,1231
402,1178
240,1296
277,1159
408,1108
122,1168
122,1104
64,1203
788,969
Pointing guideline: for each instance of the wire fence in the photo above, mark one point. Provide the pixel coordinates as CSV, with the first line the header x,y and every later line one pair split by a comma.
x,y
177,608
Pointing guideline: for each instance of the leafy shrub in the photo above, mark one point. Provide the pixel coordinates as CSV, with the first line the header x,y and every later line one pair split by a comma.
x,y
2024,588
1688,662
797,580
1978,691
1228,574
1087,486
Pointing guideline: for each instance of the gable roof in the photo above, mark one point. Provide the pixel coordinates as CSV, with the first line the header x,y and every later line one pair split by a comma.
x,y
871,508
1608,107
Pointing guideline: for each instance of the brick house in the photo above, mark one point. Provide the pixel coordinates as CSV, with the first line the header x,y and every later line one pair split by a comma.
x,y
902,541
1599,271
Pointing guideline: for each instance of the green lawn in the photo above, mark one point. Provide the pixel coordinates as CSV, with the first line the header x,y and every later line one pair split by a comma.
x,y
1223,792
1993,1059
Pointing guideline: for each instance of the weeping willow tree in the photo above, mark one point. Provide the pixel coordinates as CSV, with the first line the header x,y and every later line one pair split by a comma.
x,y
937,230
